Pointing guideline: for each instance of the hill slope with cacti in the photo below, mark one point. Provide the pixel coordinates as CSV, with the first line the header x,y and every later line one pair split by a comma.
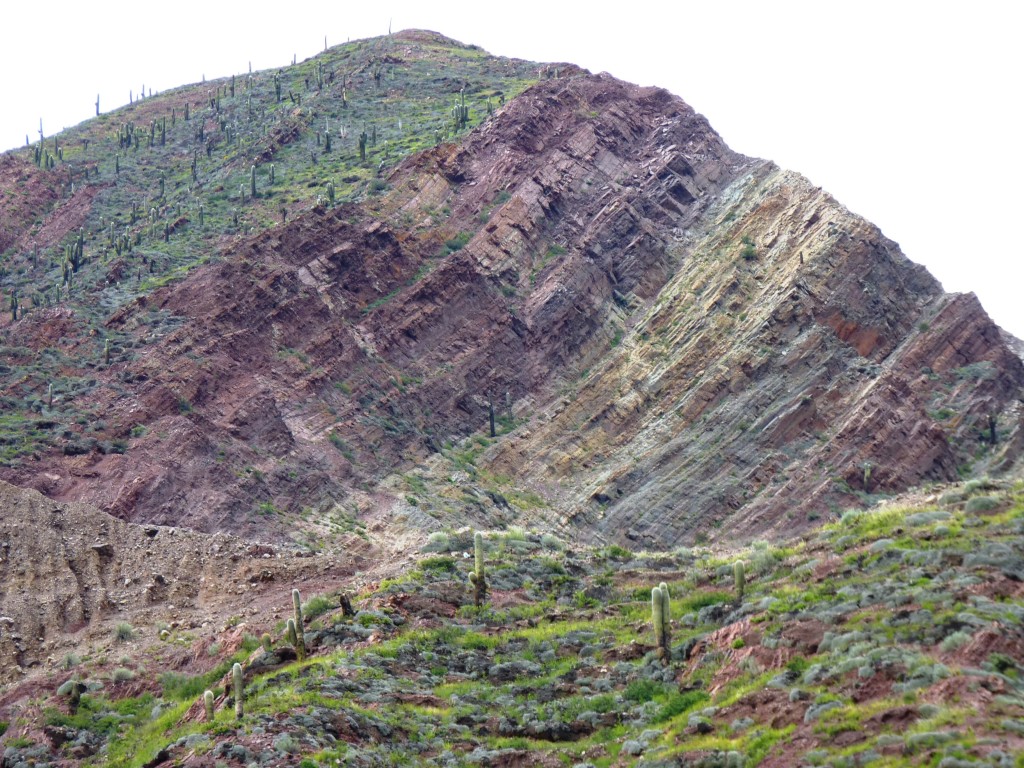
x,y
889,638
404,286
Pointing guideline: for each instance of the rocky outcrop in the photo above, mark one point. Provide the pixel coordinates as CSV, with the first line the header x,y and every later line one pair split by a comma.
x,y
69,571
795,362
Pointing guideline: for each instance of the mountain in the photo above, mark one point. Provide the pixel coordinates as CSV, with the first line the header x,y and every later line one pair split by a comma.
x,y
277,328
308,329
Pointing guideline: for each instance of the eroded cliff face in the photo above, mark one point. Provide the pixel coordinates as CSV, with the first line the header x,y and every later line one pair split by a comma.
x,y
687,342
68,572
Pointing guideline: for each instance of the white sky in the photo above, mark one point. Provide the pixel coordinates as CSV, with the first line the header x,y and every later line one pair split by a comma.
x,y
908,112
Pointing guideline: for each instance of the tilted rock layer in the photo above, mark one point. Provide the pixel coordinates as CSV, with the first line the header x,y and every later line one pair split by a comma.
x,y
684,343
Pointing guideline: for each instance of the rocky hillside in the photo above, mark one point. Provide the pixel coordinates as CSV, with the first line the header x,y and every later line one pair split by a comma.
x,y
889,638
290,305
69,573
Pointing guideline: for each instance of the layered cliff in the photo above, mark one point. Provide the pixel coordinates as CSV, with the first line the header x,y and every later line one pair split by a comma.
x,y
677,342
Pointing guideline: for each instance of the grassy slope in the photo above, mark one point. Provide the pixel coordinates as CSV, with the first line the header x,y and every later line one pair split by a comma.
x,y
889,638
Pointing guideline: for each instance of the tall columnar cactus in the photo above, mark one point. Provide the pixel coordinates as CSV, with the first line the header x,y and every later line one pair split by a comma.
x,y
208,705
252,181
271,173
477,577
739,577
239,689
268,644
661,617
300,640
289,633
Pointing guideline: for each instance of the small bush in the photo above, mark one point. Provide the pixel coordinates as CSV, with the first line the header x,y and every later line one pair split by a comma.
x,y
679,703
615,552
122,675
438,541
318,605
438,566
981,504
549,541
640,691
954,641
749,251
124,632
457,242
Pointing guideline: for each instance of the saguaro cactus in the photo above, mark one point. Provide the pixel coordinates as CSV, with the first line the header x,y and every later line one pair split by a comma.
x,y
739,577
208,705
476,576
300,640
238,685
252,181
289,632
661,617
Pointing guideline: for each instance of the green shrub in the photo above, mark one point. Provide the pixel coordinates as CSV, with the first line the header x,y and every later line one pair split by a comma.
x,y
122,675
615,552
550,541
640,691
954,641
456,243
678,703
124,632
749,250
318,605
438,566
981,504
